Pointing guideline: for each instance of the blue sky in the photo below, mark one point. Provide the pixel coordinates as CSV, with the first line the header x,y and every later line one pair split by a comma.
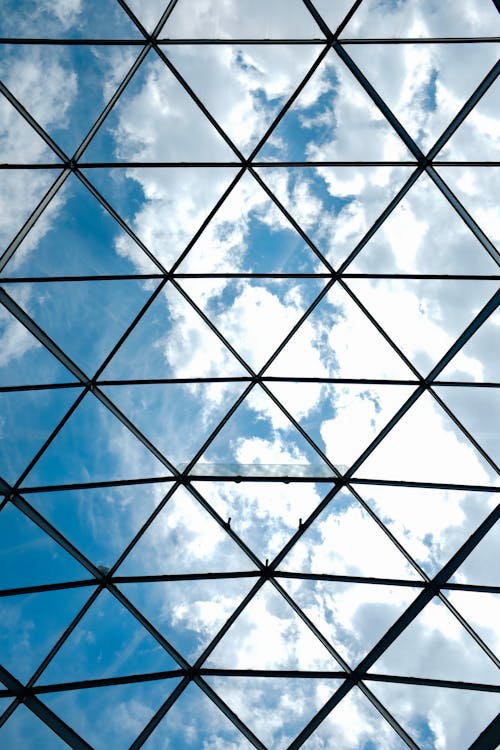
x,y
362,329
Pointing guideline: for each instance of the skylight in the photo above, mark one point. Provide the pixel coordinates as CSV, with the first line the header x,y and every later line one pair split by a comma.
x,y
249,374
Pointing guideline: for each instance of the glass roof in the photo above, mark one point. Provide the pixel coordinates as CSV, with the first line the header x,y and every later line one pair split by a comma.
x,y
249,374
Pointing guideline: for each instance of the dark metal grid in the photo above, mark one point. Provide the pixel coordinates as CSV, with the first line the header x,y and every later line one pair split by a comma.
x,y
264,571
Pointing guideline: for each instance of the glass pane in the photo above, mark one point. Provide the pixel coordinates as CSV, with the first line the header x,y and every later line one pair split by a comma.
x,y
184,538
431,313
31,625
481,611
72,314
250,234
95,446
424,235
335,206
107,642
262,19
352,616
477,360
28,419
100,522
428,85
25,730
264,514
30,557
478,137
356,723
111,716
424,18
431,524
254,316
435,645
268,634
426,446
173,341
178,419
194,721
78,222
345,540
475,188
96,18
149,123
431,715
164,206
338,340
264,704
67,106
19,143
334,119
189,614
481,565
256,81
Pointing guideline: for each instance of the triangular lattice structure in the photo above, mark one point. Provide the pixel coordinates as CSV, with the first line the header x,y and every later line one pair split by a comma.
x,y
249,336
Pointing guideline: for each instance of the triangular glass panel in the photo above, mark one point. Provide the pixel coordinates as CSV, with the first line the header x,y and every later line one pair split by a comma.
x,y
195,722
477,138
28,418
475,188
342,419
107,642
95,19
431,313
183,539
345,540
258,439
149,123
424,235
264,514
439,717
20,144
260,19
263,703
477,361
426,446
176,417
189,614
148,14
23,359
436,646
249,234
164,206
268,634
100,522
25,730
81,224
72,314
478,409
481,566
333,13
431,524
257,81
29,556
20,192
254,316
430,83
338,341
482,611
352,616
172,341
333,119
78,80
110,716
432,18
94,446
30,626
355,723
335,206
